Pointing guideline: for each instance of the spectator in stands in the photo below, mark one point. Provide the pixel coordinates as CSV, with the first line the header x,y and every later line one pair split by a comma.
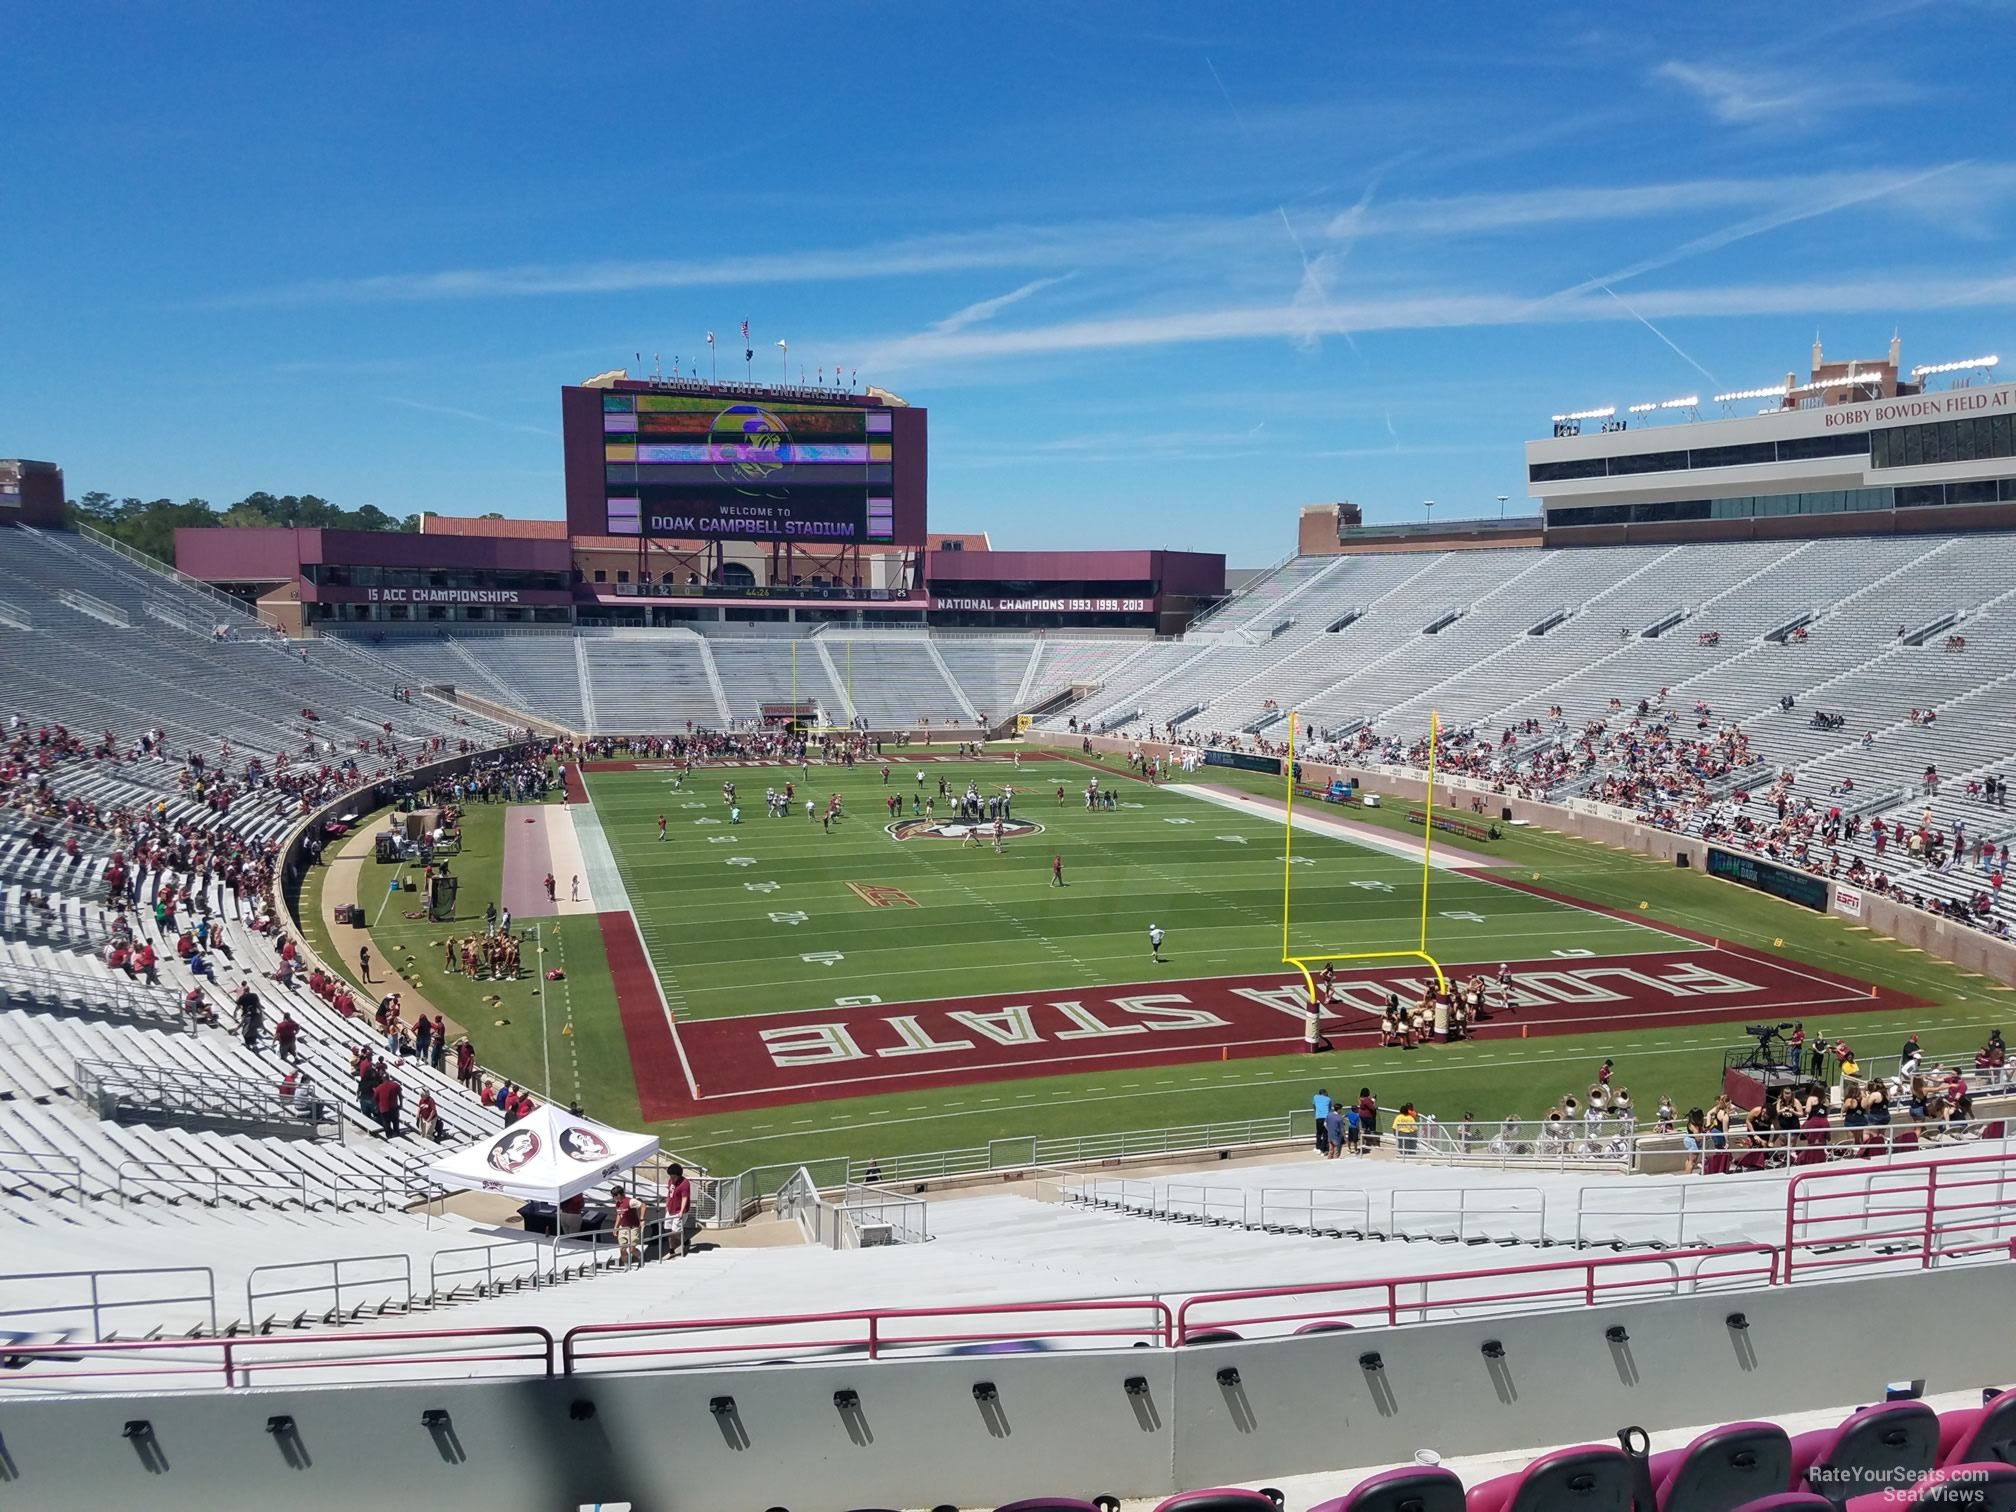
x,y
440,1040
1406,1129
307,1105
385,1099
251,1020
629,1222
427,1118
681,1222
567,1215
286,1033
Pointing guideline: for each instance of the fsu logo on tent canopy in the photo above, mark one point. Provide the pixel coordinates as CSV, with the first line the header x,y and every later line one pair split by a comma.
x,y
955,829
516,1150
584,1145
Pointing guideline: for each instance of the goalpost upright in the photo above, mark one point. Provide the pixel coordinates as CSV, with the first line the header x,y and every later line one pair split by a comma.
x,y
1420,952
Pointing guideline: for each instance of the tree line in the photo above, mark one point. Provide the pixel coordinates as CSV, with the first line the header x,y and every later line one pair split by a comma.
x,y
149,525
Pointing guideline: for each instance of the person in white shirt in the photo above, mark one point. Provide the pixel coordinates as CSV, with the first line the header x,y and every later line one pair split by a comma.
x,y
1155,938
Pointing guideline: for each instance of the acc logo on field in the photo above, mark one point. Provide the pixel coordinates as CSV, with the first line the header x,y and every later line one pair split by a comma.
x,y
951,829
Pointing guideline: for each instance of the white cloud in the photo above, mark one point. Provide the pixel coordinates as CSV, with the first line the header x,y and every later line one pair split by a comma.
x,y
1742,97
470,415
1172,245
987,309
1430,310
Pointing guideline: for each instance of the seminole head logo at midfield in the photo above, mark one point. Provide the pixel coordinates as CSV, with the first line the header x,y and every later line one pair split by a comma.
x,y
749,444
954,829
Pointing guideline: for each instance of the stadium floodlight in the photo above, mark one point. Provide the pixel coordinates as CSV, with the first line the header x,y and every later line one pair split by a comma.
x,y
1953,367
1589,414
1851,380
1640,409
1775,391
1688,402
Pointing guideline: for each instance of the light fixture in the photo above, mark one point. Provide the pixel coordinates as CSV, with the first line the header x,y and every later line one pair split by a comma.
x,y
1954,367
1775,391
1852,380
1589,414
1687,402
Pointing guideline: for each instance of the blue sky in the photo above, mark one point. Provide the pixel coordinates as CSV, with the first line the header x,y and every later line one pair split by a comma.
x,y
1162,273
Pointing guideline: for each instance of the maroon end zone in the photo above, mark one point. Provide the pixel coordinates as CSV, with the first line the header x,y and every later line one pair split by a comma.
x,y
821,1053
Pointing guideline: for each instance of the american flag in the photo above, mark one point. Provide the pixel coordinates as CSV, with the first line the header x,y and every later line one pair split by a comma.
x,y
745,333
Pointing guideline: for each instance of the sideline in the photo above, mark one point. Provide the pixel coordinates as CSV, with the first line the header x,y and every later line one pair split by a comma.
x,y
347,866
1371,836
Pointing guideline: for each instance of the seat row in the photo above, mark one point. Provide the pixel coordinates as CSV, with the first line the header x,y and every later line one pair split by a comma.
x,y
1894,1454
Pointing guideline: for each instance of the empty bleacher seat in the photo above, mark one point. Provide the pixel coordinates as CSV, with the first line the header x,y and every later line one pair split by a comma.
x,y
1973,1435
1723,1468
1587,1478
1411,1488
1872,1447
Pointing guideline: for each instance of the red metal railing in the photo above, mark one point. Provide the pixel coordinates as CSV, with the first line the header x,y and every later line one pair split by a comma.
x,y
1883,1215
1924,1211
871,1331
1386,1302
165,1357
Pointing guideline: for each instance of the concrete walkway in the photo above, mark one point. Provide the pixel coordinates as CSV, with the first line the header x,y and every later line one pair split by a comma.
x,y
342,876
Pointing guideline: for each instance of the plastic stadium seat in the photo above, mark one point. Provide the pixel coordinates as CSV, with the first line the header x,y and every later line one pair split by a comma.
x,y
1790,1501
1325,1325
1587,1478
1976,1435
1211,1336
1222,1499
1060,1504
1867,1447
1411,1488
1723,1468
1956,1488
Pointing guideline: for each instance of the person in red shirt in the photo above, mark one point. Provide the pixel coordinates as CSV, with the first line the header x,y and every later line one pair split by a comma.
x,y
629,1228
1057,872
680,1223
426,1117
143,962
386,1097
285,1035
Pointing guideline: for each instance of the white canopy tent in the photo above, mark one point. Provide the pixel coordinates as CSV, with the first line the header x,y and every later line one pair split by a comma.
x,y
547,1156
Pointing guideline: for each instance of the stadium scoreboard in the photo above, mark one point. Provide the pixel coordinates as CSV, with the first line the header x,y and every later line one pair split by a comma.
x,y
711,467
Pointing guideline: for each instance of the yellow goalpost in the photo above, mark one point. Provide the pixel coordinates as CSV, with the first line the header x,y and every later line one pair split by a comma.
x,y
1303,963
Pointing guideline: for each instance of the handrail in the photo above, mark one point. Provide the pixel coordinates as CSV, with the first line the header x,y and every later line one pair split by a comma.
x,y
235,1367
1392,1311
64,1164
157,1003
874,1337
98,1305
110,1087
335,1267
1913,1230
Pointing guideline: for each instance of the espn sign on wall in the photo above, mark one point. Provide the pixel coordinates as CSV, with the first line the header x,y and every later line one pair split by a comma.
x,y
1848,901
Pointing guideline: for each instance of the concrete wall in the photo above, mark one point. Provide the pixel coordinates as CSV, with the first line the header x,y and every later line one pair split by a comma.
x,y
1064,1423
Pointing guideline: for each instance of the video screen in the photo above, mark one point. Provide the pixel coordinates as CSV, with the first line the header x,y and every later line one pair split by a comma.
x,y
699,467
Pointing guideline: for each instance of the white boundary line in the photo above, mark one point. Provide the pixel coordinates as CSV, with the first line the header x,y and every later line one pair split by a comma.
x,y
594,835
1335,829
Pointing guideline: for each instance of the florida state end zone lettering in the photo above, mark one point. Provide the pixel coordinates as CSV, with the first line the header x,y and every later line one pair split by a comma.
x,y
867,1047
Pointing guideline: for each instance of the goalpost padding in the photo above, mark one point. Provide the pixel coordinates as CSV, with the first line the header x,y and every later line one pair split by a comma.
x,y
1302,963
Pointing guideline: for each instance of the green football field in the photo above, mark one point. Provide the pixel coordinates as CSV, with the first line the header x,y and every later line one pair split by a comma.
x,y
760,923
1212,879
768,917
